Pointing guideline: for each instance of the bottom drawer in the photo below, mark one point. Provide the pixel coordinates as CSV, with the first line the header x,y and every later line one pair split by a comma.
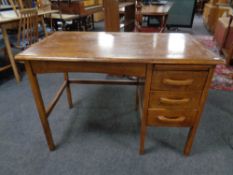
x,y
173,117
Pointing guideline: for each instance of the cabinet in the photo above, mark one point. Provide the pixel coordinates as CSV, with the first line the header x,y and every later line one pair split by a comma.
x,y
113,22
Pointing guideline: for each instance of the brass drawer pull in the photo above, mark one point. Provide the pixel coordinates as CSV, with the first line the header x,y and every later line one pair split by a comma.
x,y
168,81
174,101
171,119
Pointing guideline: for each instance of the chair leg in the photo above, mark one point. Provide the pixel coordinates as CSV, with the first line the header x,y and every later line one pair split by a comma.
x,y
10,54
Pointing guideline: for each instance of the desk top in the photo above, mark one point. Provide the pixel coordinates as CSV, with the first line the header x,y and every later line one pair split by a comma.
x,y
10,15
119,48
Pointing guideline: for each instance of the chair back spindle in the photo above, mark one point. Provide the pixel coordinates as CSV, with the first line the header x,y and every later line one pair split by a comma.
x,y
28,27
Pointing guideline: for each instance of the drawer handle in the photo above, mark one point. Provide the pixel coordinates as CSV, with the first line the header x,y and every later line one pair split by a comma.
x,y
168,81
171,119
174,101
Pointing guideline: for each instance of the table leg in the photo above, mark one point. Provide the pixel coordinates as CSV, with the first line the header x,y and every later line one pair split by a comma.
x,y
68,91
40,105
143,132
189,142
10,54
193,129
145,105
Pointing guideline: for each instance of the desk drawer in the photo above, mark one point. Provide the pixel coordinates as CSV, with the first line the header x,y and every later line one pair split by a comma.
x,y
168,117
179,80
161,99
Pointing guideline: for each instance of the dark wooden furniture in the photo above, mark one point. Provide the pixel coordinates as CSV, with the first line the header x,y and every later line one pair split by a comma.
x,y
113,10
77,7
175,72
200,4
223,36
213,10
159,12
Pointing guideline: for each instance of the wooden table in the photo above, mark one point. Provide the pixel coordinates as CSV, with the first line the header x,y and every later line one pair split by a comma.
x,y
174,72
9,20
158,11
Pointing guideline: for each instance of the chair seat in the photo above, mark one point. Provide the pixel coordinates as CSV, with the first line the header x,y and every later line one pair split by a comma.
x,y
225,21
148,29
93,9
65,17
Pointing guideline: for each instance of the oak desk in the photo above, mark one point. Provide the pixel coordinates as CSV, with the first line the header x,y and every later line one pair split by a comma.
x,y
175,73
9,20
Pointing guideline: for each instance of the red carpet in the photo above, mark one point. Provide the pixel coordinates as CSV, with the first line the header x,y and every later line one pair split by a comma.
x,y
223,75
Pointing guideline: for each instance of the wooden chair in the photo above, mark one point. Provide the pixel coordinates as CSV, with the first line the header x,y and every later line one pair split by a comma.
x,y
59,17
225,48
77,7
139,20
28,27
7,66
21,4
14,5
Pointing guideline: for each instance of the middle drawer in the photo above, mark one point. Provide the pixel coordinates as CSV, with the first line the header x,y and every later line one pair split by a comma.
x,y
174,99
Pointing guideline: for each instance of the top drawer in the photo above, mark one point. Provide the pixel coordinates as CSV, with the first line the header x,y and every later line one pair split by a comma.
x,y
178,80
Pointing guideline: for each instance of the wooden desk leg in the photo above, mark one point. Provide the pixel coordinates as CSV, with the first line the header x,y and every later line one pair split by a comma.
x,y
145,107
40,105
10,54
193,129
68,91
189,141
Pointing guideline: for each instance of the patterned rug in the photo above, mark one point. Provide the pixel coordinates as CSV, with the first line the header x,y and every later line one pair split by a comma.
x,y
223,75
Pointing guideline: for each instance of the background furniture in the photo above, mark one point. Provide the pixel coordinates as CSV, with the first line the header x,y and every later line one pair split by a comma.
x,y
3,49
55,19
200,5
5,5
112,12
158,12
224,37
213,11
9,20
28,27
175,79
181,13
77,7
